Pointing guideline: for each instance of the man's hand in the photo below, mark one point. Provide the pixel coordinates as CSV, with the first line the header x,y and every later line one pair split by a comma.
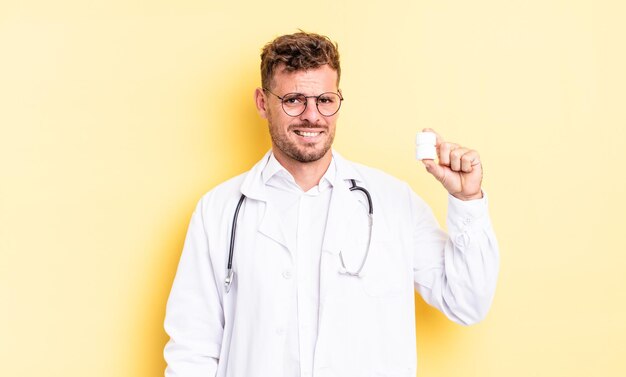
x,y
459,169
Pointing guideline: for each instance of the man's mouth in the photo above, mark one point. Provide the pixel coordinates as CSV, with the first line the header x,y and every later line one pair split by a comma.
x,y
307,133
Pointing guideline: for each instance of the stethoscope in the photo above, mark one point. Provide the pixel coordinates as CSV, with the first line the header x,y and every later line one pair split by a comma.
x,y
344,269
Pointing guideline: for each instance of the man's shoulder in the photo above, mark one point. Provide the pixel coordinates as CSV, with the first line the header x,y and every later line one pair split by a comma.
x,y
376,176
228,188
233,187
221,197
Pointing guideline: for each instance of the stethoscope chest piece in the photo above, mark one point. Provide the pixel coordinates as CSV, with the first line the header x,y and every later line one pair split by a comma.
x,y
229,279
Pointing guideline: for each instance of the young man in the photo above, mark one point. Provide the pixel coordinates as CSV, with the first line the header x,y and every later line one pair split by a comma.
x,y
318,277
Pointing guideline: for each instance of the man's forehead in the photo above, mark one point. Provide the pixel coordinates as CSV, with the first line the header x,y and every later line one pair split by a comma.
x,y
283,74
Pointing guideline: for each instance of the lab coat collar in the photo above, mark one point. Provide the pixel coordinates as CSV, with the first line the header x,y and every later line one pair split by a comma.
x,y
275,175
253,185
345,170
343,204
272,168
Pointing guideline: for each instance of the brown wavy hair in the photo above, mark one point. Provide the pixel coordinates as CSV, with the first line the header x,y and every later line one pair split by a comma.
x,y
298,51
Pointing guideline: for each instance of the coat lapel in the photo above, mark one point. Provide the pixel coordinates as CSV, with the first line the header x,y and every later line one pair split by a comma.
x,y
344,206
254,189
347,224
271,226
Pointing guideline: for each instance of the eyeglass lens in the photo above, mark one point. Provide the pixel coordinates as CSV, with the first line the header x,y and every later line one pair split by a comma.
x,y
327,104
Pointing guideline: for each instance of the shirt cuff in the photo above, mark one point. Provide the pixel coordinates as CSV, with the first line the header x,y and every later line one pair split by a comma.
x,y
466,214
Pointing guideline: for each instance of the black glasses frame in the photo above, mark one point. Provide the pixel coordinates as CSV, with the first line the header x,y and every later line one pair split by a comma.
x,y
306,103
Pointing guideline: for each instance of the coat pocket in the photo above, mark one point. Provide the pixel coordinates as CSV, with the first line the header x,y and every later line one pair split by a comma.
x,y
385,271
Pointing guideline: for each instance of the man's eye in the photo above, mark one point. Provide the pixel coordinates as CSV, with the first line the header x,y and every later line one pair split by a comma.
x,y
293,100
326,100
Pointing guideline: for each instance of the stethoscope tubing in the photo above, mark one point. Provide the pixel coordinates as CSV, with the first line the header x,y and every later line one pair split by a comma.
x,y
367,194
229,275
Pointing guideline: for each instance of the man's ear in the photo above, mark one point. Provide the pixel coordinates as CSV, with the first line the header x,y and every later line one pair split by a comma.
x,y
261,102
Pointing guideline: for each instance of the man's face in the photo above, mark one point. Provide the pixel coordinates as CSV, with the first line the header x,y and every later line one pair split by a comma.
x,y
309,136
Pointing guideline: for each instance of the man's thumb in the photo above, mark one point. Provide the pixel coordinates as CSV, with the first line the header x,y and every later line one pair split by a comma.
x,y
433,168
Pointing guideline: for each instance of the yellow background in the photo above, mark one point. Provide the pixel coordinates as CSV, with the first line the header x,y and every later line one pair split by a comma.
x,y
116,116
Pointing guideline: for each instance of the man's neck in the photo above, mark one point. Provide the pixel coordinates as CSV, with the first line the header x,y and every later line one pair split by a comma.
x,y
306,174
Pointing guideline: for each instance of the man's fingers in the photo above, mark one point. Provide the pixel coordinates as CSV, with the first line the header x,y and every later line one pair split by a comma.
x,y
444,150
469,160
458,158
455,158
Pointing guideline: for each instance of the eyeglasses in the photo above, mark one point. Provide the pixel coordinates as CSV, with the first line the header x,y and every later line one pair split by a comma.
x,y
294,104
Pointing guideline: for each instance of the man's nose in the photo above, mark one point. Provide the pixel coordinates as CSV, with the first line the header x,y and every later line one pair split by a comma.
x,y
311,113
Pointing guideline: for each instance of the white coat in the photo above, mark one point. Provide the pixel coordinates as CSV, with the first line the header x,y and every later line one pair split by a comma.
x,y
366,324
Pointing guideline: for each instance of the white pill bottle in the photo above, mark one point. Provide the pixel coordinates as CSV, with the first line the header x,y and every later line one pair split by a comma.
x,y
425,146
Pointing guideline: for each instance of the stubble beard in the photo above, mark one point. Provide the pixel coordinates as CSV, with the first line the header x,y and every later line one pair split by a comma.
x,y
306,153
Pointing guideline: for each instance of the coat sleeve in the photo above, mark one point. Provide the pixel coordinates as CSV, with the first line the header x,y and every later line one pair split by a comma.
x,y
194,318
455,272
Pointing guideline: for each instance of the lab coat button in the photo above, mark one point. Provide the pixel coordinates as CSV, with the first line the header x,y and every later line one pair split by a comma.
x,y
287,274
461,240
467,221
280,331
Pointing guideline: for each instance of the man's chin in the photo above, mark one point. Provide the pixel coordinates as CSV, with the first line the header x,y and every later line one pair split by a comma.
x,y
309,156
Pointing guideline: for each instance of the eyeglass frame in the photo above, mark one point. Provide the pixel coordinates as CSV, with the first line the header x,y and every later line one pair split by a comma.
x,y
317,98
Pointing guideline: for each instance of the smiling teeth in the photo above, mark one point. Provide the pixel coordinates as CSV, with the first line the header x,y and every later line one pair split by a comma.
x,y
309,134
